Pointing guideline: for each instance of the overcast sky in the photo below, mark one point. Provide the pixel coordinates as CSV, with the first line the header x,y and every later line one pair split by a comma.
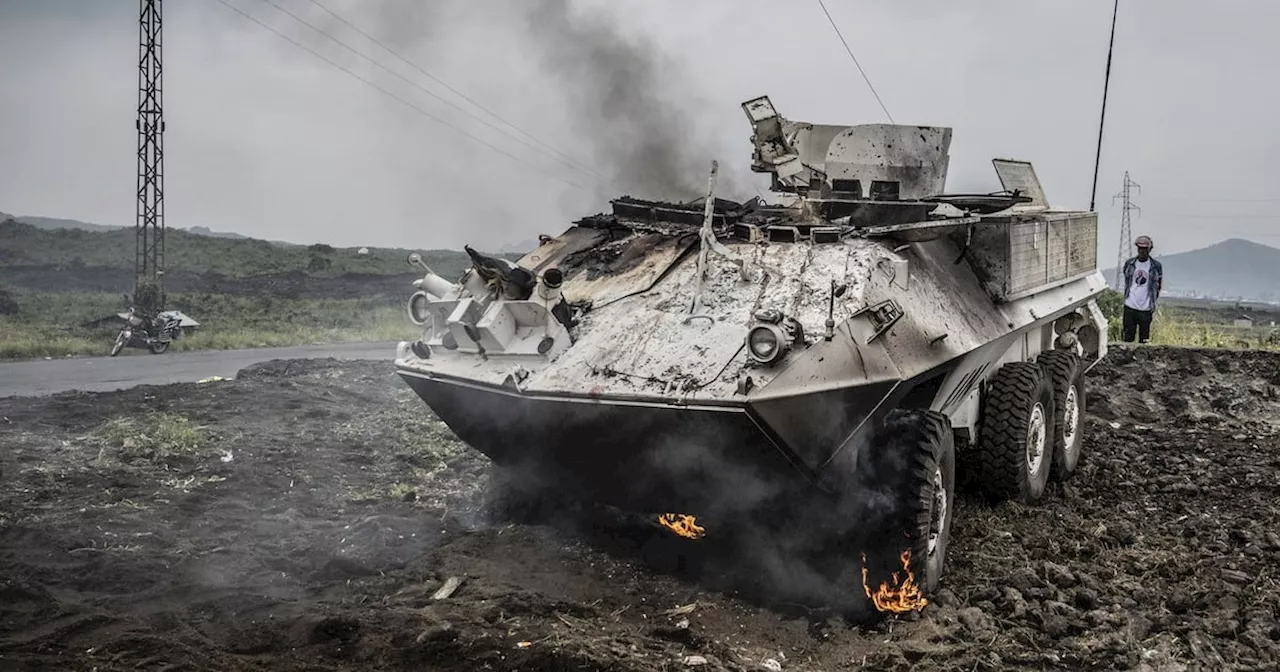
x,y
266,139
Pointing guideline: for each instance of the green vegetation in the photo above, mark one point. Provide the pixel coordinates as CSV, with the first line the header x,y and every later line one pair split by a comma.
x,y
54,325
155,437
24,244
1188,325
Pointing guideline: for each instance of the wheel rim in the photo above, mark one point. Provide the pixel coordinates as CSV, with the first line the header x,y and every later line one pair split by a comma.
x,y
938,518
1036,438
1071,418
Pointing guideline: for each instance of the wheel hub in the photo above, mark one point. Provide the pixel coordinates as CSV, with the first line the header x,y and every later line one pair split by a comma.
x,y
1071,417
1036,438
939,513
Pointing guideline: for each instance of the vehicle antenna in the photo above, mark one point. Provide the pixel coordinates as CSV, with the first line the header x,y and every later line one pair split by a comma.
x,y
1106,82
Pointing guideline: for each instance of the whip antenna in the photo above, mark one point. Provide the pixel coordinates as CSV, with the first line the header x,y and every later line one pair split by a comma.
x,y
1097,160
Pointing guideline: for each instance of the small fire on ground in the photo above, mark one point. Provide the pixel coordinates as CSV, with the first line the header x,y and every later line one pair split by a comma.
x,y
900,597
682,524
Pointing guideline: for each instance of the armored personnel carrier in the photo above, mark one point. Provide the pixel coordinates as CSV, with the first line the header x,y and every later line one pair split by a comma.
x,y
816,367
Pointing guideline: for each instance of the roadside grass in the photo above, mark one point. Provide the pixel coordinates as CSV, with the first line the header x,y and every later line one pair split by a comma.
x,y
1187,327
60,325
155,437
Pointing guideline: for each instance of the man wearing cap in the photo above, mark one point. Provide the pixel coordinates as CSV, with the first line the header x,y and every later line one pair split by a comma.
x,y
1143,277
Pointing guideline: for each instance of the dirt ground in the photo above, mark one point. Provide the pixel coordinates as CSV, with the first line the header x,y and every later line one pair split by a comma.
x,y
303,516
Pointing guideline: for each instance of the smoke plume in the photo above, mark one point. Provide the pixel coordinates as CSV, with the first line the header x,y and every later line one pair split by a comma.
x,y
625,101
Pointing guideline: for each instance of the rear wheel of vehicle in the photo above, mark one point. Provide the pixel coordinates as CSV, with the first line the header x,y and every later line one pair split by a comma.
x,y
906,483
118,345
158,348
1015,437
1067,375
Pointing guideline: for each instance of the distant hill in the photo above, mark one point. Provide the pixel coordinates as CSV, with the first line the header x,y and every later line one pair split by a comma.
x,y
55,223
519,248
1235,269
49,257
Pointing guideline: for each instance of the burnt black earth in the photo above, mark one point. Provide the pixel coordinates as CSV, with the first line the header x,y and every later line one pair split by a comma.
x,y
315,516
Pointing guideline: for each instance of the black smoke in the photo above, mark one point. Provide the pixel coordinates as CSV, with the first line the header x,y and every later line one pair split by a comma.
x,y
626,100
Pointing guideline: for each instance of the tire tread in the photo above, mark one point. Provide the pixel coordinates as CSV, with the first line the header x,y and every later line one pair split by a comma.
x,y
1000,450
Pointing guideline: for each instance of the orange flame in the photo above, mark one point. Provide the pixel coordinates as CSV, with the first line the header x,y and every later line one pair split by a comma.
x,y
682,524
902,597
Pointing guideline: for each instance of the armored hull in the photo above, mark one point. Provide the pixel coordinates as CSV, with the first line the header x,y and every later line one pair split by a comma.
x,y
725,359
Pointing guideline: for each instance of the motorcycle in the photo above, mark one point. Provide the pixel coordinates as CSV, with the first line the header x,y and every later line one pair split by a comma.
x,y
152,333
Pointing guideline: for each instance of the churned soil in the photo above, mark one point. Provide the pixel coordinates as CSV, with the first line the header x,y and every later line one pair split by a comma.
x,y
314,515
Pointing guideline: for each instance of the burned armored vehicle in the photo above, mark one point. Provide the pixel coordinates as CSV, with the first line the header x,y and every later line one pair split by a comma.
x,y
819,364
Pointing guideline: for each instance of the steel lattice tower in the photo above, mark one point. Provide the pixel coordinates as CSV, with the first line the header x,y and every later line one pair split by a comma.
x,y
1126,234
149,267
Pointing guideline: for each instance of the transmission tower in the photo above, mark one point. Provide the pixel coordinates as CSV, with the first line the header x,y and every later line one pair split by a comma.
x,y
1126,234
148,281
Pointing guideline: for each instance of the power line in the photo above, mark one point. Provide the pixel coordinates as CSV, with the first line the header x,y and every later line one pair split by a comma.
x,y
425,90
419,110
414,84
567,160
855,60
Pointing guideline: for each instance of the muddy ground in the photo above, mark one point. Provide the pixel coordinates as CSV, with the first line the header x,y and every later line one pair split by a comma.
x,y
303,516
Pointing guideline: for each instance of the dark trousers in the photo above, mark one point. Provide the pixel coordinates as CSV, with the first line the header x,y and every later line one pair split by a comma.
x,y
1138,321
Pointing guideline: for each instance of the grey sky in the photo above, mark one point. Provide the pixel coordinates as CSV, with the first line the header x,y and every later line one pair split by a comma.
x,y
267,140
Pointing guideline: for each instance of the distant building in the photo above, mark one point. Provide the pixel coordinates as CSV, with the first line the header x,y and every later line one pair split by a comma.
x,y
363,250
1244,321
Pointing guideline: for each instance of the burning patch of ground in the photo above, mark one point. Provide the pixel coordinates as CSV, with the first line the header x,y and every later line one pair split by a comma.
x,y
312,515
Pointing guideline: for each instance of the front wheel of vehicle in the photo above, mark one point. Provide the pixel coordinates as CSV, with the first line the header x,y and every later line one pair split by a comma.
x,y
118,345
893,552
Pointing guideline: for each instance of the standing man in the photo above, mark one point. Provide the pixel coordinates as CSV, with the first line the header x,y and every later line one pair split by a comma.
x,y
1143,277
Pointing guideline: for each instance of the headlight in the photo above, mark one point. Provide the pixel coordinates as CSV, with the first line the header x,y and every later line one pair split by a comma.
x,y
418,304
765,343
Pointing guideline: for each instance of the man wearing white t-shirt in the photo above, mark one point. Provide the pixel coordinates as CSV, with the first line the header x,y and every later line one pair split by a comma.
x,y
1143,277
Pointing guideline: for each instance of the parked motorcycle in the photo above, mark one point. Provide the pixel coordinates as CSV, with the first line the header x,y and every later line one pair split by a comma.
x,y
152,333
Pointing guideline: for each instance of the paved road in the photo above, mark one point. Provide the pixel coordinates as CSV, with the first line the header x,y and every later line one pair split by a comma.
x,y
139,367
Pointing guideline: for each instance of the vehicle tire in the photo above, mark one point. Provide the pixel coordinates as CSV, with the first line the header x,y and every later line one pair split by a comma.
x,y
118,345
906,485
158,348
1067,375
1015,434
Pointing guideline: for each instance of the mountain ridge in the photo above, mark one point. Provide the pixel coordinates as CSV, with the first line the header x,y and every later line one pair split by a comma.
x,y
1231,269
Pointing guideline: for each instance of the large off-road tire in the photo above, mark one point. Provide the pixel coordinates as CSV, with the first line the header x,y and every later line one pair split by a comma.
x,y
158,348
118,345
1015,437
907,478
1065,370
